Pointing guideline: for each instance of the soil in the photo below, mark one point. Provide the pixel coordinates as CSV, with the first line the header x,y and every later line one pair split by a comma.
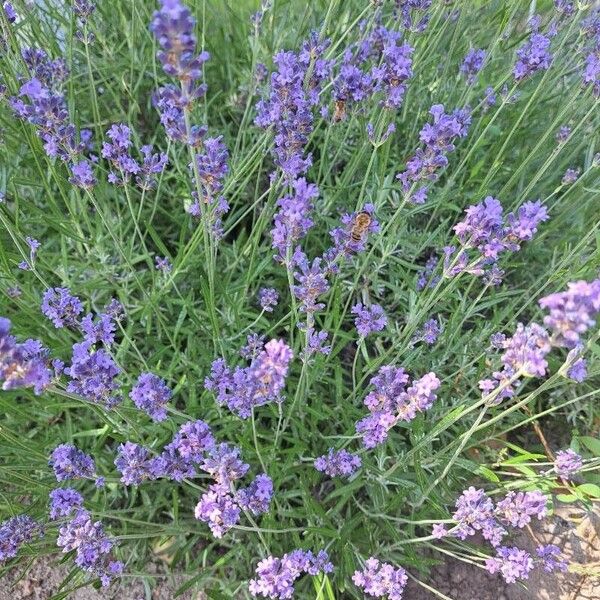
x,y
576,532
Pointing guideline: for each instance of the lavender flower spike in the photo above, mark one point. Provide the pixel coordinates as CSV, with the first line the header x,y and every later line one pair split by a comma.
x,y
151,395
381,580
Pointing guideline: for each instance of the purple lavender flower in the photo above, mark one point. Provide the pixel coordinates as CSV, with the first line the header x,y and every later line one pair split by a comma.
x,y
511,563
82,175
224,464
381,580
218,508
472,64
429,333
532,56
578,370
369,319
19,368
550,556
412,19
171,464
93,375
563,134
262,382
591,72
570,176
163,264
68,462
16,531
438,138
572,313
134,463
151,394
102,329
93,547
193,441
267,298
393,400
9,12
61,307
567,463
517,508
425,275
256,498
395,69
292,221
475,512
276,576
439,531
338,463
63,501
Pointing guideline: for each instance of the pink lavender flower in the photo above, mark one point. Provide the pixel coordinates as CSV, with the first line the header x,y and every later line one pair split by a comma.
x,y
340,463
92,546
567,463
267,298
472,64
550,556
134,463
511,563
15,532
524,355
532,56
261,382
69,462
394,400
93,374
369,319
381,580
217,508
573,312
151,394
19,368
276,576
63,501
256,498
517,508
61,307
439,531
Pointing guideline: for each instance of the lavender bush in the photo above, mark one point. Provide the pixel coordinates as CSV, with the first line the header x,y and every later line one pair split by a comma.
x,y
306,293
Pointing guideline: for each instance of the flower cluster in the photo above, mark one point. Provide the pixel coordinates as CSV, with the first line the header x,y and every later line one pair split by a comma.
x,y
411,14
68,462
472,64
426,277
15,532
567,463
61,307
485,233
340,463
294,90
275,577
551,558
292,219
267,298
22,365
381,580
134,463
438,140
173,26
572,312
243,388
92,546
124,166
512,563
63,501
151,395
369,319
533,56
394,399
395,69
428,333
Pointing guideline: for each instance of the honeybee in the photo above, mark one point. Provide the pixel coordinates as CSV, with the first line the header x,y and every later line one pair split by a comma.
x,y
360,225
340,111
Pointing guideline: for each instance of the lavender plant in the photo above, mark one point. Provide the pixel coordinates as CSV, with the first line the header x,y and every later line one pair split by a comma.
x,y
279,277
